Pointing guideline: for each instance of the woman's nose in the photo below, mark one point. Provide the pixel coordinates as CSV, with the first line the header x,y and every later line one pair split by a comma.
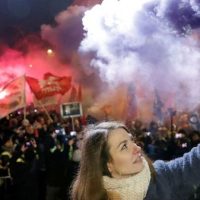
x,y
136,149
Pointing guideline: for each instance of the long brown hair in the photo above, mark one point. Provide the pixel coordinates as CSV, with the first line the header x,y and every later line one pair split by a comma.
x,y
88,184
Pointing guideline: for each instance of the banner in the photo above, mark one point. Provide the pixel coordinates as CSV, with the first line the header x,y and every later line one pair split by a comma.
x,y
12,96
49,86
72,109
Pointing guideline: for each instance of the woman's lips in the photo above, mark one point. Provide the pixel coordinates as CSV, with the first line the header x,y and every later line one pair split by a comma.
x,y
138,159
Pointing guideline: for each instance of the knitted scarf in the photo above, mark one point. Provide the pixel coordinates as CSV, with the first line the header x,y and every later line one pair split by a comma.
x,y
132,188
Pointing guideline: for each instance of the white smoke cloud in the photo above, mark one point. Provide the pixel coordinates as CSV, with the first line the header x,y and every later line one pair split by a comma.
x,y
134,39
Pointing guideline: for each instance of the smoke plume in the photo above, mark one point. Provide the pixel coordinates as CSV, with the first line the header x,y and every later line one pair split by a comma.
x,y
154,44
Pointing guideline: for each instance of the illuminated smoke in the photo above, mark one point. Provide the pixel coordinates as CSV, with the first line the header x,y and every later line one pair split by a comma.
x,y
66,37
68,33
153,43
31,57
35,62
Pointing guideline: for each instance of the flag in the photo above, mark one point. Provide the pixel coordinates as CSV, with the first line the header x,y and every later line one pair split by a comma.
x,y
12,96
73,94
50,85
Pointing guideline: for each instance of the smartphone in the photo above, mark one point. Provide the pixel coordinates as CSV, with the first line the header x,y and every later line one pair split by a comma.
x,y
178,135
28,144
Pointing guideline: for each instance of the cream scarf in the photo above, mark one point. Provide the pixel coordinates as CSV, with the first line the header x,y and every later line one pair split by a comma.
x,y
131,188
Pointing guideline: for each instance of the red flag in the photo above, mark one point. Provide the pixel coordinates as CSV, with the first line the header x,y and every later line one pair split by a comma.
x,y
12,96
83,120
49,86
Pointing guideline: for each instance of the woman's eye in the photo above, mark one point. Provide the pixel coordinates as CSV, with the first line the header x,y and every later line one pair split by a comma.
x,y
124,147
132,139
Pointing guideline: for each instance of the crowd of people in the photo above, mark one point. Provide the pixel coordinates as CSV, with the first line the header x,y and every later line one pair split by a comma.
x,y
40,155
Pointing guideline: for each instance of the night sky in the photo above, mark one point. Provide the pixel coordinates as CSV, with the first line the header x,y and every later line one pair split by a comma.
x,y
30,13
20,17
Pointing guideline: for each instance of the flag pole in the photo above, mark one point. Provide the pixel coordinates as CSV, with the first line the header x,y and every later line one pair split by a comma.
x,y
45,110
24,96
59,102
73,128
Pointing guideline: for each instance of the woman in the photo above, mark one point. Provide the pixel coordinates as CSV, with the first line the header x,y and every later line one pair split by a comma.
x,y
113,167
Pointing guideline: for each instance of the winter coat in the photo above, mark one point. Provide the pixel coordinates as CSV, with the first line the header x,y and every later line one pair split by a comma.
x,y
176,179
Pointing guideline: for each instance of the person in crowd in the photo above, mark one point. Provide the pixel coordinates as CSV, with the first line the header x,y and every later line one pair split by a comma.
x,y
6,150
56,165
113,167
24,170
76,157
195,138
73,157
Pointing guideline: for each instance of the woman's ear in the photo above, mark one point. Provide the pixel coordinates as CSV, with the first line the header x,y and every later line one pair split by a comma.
x,y
110,167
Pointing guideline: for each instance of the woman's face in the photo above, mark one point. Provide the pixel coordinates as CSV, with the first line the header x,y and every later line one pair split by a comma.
x,y
125,154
